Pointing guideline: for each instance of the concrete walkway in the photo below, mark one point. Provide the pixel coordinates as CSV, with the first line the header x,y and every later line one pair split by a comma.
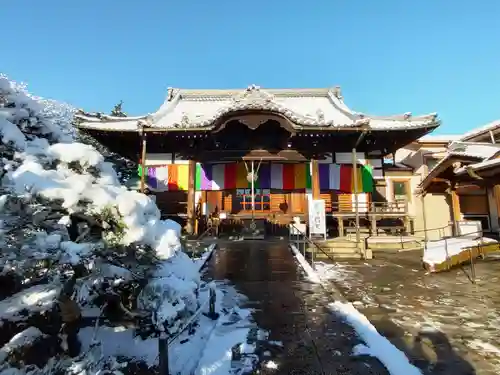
x,y
292,310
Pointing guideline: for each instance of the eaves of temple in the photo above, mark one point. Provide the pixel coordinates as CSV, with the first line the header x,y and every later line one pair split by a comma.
x,y
312,119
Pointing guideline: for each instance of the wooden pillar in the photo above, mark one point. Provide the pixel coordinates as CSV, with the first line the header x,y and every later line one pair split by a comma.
x,y
315,179
492,208
143,160
455,209
340,221
424,217
191,209
374,225
356,191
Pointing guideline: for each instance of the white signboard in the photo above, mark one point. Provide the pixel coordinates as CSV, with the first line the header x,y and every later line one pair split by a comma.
x,y
317,217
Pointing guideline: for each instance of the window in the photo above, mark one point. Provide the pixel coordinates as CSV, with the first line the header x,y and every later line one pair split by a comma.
x,y
400,190
431,163
262,199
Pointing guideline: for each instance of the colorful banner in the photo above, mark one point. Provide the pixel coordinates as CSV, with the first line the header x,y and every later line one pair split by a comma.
x,y
169,177
340,177
269,176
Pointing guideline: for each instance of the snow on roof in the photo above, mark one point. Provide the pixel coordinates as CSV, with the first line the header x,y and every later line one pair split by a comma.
x,y
482,151
474,149
494,125
190,109
481,165
439,138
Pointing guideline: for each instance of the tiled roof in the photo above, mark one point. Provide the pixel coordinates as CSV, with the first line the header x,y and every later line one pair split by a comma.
x,y
194,109
479,152
439,138
494,125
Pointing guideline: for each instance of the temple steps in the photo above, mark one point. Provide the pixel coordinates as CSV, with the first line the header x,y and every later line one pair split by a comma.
x,y
340,248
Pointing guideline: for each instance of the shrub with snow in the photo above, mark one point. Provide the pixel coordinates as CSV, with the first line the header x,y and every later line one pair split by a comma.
x,y
48,180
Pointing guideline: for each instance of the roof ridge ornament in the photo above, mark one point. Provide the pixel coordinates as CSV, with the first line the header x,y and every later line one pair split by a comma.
x,y
253,94
170,93
337,92
320,114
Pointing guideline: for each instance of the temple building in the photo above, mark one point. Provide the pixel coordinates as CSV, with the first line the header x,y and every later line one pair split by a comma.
x,y
202,151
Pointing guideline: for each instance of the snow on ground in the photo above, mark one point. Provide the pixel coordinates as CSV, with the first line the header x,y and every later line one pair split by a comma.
x,y
375,344
328,271
208,351
436,252
457,322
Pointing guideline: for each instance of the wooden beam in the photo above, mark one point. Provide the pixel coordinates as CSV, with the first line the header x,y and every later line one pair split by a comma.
x,y
143,162
455,209
191,209
316,191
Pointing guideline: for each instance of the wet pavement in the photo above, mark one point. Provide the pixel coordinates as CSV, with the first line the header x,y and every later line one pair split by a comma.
x,y
304,336
444,323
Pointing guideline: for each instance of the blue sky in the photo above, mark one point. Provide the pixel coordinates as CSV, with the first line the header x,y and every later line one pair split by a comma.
x,y
389,56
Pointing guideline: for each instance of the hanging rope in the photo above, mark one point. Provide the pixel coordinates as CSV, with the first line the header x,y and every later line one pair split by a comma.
x,y
253,175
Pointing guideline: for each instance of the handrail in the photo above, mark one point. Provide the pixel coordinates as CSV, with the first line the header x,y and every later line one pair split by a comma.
x,y
399,206
441,235
312,242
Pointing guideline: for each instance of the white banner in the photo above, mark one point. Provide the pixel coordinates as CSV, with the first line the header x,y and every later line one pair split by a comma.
x,y
317,217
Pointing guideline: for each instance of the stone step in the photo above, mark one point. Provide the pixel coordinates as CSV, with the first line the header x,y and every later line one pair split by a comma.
x,y
337,249
394,245
338,243
344,255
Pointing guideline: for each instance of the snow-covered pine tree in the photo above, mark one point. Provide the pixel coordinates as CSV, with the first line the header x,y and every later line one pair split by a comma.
x,y
67,226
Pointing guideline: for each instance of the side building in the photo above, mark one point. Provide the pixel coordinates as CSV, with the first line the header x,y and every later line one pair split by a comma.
x,y
466,176
199,152
406,170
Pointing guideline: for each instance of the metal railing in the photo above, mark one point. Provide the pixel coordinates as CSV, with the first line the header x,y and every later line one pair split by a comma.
x,y
299,237
413,237
398,206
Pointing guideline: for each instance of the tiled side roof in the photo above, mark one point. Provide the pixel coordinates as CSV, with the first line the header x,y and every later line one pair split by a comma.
x,y
481,130
439,138
476,152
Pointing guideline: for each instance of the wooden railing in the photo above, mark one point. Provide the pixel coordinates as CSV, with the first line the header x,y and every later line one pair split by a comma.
x,y
371,207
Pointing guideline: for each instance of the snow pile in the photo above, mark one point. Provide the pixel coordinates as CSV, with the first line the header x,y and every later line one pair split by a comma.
x,y
375,344
209,351
19,341
328,271
311,274
436,252
52,185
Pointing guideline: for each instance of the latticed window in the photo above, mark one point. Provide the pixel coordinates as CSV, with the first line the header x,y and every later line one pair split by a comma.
x,y
400,190
262,199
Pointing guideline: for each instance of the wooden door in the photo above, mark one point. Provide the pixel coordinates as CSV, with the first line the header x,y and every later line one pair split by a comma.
x,y
214,201
280,202
298,202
